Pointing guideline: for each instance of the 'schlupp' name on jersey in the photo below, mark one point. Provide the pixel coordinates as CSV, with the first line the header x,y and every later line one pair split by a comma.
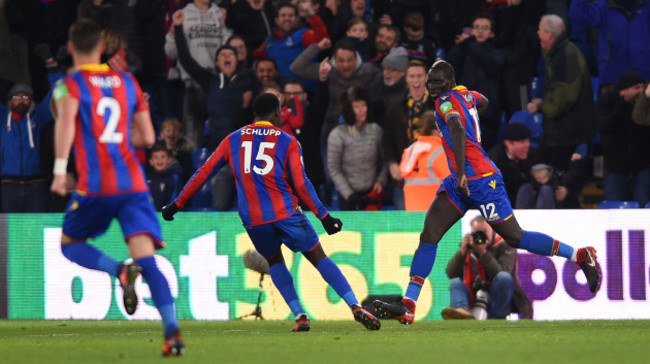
x,y
260,131
105,81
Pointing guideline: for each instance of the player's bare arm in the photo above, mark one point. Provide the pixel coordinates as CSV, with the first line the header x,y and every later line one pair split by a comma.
x,y
64,131
482,105
458,139
143,134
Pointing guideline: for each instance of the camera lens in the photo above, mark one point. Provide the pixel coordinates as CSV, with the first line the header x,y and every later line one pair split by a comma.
x,y
479,237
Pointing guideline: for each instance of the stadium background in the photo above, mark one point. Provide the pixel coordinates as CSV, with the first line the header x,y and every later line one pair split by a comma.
x,y
203,263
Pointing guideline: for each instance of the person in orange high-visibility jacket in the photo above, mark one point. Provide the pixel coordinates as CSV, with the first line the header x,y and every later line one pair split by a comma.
x,y
424,165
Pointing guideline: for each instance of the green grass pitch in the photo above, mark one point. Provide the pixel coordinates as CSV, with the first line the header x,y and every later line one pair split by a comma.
x,y
330,342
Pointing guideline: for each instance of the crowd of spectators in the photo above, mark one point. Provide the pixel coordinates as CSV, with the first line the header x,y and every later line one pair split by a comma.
x,y
351,76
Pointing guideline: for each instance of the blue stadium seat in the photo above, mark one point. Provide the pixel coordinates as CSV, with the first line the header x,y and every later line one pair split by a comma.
x,y
595,86
203,197
535,88
647,206
619,205
440,54
199,157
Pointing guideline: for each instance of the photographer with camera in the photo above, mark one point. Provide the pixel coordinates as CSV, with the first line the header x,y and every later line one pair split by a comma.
x,y
483,277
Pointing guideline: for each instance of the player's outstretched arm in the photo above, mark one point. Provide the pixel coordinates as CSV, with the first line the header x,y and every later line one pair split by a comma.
x,y
331,224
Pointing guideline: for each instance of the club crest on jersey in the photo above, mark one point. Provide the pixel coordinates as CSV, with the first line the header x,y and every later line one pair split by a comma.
x,y
445,107
493,184
468,97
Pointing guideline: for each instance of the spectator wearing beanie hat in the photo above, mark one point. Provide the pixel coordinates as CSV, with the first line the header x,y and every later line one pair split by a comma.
x,y
390,83
514,157
24,181
625,156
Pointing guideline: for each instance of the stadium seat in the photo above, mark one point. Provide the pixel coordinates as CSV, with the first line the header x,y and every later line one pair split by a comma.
x,y
619,205
440,54
199,157
535,88
596,87
203,197
534,122
647,206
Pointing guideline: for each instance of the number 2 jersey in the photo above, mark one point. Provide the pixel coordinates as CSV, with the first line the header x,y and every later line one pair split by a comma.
x,y
105,157
264,160
462,103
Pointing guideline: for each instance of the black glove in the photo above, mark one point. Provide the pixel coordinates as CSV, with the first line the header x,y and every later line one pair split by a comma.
x,y
43,51
331,224
169,211
359,201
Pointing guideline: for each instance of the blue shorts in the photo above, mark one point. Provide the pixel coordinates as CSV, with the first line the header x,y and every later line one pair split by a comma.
x,y
487,194
90,216
296,232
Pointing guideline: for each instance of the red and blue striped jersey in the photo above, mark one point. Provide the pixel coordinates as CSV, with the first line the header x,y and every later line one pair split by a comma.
x,y
462,103
264,160
105,157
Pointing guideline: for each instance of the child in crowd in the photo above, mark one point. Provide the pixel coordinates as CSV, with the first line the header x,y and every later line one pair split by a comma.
x,y
357,31
292,109
539,193
163,176
180,148
116,53
417,44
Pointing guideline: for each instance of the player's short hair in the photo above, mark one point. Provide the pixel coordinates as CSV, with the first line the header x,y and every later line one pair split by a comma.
x,y
444,67
265,106
85,34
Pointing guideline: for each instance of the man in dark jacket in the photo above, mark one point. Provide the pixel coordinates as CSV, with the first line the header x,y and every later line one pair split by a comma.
x,y
567,102
514,157
478,63
228,97
485,262
625,143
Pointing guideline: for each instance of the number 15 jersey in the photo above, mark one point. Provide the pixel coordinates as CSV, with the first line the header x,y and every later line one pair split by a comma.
x,y
105,157
462,103
264,160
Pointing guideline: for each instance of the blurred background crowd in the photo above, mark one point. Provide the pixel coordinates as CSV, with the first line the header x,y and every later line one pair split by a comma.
x,y
568,121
